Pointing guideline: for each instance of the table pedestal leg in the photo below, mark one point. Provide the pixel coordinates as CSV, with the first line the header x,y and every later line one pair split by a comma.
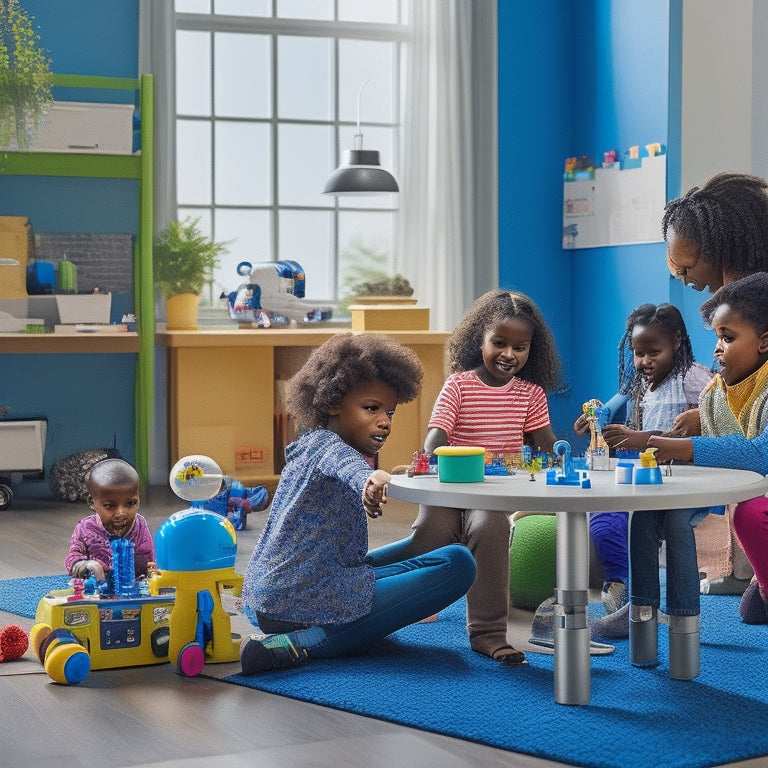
x,y
571,621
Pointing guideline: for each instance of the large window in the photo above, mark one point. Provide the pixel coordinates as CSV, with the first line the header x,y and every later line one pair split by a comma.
x,y
267,95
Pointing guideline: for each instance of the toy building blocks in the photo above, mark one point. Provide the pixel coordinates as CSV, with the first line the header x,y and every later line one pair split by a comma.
x,y
565,473
103,626
598,453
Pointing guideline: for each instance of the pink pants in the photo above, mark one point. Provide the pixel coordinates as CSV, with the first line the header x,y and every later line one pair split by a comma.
x,y
750,522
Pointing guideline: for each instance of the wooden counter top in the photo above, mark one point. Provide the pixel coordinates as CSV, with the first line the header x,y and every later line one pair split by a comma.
x,y
280,337
66,343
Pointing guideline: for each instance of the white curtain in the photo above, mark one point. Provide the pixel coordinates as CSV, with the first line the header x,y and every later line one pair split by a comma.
x,y
448,234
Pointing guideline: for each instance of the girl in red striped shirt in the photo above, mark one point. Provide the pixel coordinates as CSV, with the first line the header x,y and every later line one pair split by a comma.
x,y
504,361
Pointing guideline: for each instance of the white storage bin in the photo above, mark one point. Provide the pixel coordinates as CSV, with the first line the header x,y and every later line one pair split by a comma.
x,y
84,308
73,126
22,445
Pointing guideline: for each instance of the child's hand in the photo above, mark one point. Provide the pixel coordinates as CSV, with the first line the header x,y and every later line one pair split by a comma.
x,y
686,424
581,425
671,449
82,568
375,492
617,435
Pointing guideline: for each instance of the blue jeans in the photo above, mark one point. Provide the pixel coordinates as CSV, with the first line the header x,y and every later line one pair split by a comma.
x,y
647,529
406,591
609,532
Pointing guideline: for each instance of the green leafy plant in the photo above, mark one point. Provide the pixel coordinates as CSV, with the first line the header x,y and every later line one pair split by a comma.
x,y
25,76
366,274
184,258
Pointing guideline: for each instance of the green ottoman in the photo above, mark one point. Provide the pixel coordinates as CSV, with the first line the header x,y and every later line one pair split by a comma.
x,y
532,559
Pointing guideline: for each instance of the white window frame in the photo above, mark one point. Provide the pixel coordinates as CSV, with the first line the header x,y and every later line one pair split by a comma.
x,y
336,31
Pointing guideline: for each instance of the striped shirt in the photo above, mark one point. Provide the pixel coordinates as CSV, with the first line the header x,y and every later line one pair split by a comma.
x,y
495,418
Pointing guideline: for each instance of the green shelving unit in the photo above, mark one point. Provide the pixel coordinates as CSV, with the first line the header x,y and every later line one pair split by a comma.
x,y
138,166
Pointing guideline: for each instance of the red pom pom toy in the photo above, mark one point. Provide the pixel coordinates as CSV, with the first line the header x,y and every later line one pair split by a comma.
x,y
13,642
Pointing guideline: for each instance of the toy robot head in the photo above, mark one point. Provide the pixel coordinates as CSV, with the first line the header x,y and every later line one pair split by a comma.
x,y
195,540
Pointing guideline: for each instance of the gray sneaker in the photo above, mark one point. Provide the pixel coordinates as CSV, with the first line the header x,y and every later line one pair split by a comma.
x,y
614,596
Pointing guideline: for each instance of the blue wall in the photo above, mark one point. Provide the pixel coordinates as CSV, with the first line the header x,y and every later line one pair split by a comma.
x,y
535,110
86,398
576,78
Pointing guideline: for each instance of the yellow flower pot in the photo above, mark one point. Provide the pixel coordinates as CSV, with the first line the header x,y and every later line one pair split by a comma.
x,y
181,312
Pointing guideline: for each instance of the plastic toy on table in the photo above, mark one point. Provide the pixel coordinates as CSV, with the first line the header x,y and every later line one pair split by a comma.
x,y
598,452
566,473
647,473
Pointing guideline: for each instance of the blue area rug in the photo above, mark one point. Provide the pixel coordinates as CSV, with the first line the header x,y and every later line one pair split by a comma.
x,y
21,596
426,677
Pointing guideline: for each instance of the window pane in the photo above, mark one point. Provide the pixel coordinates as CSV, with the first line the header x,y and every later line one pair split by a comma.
x,y
305,237
193,162
243,75
365,247
242,7
305,162
250,232
304,78
193,73
359,61
193,6
380,139
305,9
243,167
379,11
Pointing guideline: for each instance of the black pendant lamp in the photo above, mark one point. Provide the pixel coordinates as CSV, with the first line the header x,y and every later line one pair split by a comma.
x,y
360,172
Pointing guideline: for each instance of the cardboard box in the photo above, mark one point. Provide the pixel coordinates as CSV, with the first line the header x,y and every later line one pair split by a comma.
x,y
22,445
15,245
383,317
84,308
73,126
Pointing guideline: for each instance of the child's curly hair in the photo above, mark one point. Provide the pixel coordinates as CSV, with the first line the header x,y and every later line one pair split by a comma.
x,y
343,362
669,321
495,307
727,219
748,297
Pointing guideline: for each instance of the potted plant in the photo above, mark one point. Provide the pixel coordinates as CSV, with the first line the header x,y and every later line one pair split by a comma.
x,y
25,77
368,279
382,289
184,260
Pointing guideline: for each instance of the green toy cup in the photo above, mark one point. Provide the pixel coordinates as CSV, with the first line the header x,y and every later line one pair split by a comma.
x,y
460,464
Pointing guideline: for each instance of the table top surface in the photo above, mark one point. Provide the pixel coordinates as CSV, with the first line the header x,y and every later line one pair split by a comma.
x,y
688,486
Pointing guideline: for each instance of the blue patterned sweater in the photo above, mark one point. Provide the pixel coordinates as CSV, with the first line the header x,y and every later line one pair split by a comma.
x,y
308,565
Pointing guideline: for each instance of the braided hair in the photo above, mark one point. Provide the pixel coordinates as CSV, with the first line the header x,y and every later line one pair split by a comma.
x,y
727,219
669,321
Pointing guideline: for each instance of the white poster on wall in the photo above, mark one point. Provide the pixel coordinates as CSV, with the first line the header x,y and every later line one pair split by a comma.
x,y
617,207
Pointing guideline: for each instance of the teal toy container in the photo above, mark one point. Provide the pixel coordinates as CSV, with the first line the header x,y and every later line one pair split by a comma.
x,y
460,464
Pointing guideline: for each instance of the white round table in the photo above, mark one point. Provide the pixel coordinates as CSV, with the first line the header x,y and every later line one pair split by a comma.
x,y
687,486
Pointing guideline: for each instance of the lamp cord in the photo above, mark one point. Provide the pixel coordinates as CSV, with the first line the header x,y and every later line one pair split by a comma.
x,y
359,134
